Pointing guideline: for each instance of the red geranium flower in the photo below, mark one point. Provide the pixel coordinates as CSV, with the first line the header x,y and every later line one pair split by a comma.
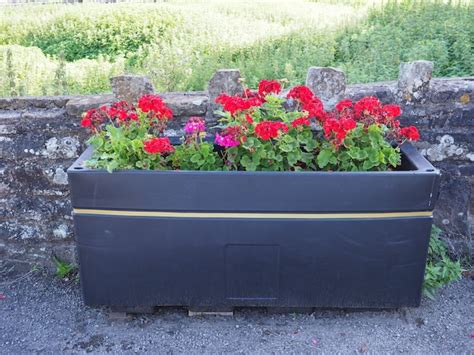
x,y
336,129
367,106
93,118
237,103
392,111
86,122
266,87
158,145
155,107
122,111
301,93
270,129
344,104
410,133
315,108
302,121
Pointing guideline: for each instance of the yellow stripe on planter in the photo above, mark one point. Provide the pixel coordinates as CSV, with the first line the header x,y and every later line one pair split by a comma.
x,y
251,215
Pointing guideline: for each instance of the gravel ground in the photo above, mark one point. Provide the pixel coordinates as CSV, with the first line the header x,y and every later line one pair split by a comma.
x,y
41,314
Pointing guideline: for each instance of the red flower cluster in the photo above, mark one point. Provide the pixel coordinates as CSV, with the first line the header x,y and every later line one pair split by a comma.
x,y
237,103
93,118
368,106
301,93
315,109
410,133
249,99
370,110
343,105
158,146
337,129
391,111
270,129
155,107
302,121
310,103
121,111
266,87
367,111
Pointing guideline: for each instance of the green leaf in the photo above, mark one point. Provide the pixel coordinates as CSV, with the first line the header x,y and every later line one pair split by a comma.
x,y
293,158
285,148
324,157
196,158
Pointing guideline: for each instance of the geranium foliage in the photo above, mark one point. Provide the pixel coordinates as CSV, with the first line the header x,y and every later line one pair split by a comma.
x,y
265,129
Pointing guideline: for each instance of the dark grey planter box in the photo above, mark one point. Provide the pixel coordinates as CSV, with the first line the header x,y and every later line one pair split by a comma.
x,y
229,239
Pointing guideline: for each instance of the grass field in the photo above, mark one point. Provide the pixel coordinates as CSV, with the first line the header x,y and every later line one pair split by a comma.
x,y
59,49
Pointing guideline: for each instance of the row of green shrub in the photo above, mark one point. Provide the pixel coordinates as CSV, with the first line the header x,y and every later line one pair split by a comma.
x,y
409,30
27,71
74,49
88,32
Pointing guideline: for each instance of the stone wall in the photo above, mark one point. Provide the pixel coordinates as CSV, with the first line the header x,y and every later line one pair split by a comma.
x,y
41,136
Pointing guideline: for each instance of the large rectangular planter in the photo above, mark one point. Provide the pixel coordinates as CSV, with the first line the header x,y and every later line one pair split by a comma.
x,y
274,239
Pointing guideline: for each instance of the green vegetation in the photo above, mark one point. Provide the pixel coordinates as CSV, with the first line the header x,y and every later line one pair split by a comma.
x,y
52,49
409,30
440,268
64,270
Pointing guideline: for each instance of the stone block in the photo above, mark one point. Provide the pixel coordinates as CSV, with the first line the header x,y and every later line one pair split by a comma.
x,y
329,84
78,105
414,80
186,104
131,87
224,80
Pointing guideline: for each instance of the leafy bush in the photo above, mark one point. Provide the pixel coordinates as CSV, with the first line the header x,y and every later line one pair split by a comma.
x,y
30,72
440,268
109,34
409,30
25,71
95,32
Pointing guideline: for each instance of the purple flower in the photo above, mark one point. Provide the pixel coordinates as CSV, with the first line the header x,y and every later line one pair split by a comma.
x,y
195,125
226,141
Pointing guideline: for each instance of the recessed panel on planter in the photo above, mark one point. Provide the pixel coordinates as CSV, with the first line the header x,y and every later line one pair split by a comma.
x,y
252,271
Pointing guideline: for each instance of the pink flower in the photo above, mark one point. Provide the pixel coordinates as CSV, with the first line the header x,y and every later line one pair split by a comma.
x,y
227,140
195,125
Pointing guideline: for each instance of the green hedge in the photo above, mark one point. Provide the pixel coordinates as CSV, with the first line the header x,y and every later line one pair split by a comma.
x,y
180,44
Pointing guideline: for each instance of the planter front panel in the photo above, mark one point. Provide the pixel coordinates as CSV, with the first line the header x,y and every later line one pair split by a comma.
x,y
136,261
